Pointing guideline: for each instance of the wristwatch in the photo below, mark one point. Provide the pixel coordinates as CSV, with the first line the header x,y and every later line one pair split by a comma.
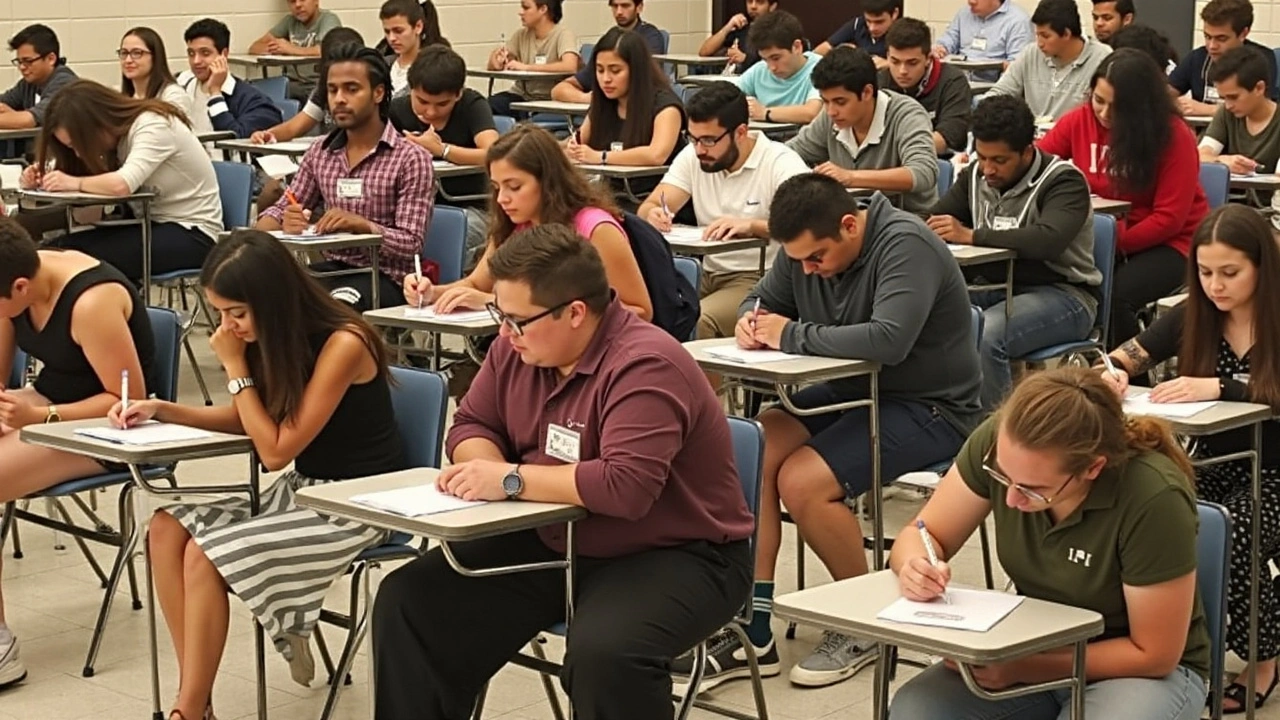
x,y
604,157
512,483
237,384
768,114
51,415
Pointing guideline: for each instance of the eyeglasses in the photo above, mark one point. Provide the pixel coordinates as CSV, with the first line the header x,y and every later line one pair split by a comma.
x,y
988,466
26,62
134,53
516,327
705,141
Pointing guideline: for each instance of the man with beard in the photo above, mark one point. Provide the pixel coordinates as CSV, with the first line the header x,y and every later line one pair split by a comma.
x,y
730,174
939,87
368,178
1017,197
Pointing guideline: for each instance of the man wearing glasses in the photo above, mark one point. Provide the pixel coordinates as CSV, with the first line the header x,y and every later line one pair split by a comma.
x,y
38,57
580,402
731,175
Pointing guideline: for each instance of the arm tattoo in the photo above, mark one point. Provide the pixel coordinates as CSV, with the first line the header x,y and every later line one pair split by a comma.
x,y
1139,360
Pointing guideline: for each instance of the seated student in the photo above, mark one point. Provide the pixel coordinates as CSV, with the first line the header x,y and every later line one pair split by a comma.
x,y
940,88
1053,76
873,284
626,16
402,23
86,325
1024,199
1131,145
1226,27
869,138
867,30
634,118
1150,41
986,30
218,100
1245,132
104,143
731,40
431,34
1092,509
731,175
541,44
299,33
664,554
364,177
144,69
308,384
38,57
533,183
1227,347
778,90
1110,17
452,122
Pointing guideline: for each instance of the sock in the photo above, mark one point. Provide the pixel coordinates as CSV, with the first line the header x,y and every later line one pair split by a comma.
x,y
6,636
761,609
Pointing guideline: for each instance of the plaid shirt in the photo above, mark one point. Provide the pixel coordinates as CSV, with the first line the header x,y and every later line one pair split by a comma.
x,y
397,196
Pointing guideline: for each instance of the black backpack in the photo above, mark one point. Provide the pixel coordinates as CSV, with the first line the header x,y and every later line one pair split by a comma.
x,y
675,302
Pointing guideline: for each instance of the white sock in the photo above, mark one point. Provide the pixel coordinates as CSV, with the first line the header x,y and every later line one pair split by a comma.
x,y
6,636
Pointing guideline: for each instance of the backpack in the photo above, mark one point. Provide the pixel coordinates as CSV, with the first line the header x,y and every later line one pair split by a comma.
x,y
675,302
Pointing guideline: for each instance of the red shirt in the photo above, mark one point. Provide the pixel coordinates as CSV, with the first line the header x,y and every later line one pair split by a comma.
x,y
655,459
1166,214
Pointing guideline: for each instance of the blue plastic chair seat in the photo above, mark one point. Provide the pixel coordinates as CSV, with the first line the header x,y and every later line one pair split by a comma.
x,y
98,482
387,551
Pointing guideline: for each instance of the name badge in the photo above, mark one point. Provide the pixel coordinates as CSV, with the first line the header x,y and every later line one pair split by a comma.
x,y
563,443
539,59
615,147
979,43
351,188
1211,94
1004,223
1241,377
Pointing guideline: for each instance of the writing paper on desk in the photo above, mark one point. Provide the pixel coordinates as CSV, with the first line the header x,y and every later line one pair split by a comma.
x,y
277,167
684,234
976,610
148,433
308,234
733,353
457,316
1142,405
414,501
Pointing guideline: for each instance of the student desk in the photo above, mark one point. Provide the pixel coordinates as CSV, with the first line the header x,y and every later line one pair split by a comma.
x,y
62,436
394,317
340,241
1164,305
514,75
703,248
1267,182
1107,206
775,130
1222,417
850,606
19,134
1198,121
691,61
443,170
970,255
980,87
265,62
246,148
571,111
72,200
215,136
701,81
626,173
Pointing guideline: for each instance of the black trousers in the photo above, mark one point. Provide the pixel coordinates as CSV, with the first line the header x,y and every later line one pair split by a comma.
x,y
1141,279
500,103
173,247
357,290
438,636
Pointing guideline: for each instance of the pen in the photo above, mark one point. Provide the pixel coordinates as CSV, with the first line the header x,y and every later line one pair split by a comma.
x,y
124,391
1111,368
417,270
665,209
293,199
933,553
754,312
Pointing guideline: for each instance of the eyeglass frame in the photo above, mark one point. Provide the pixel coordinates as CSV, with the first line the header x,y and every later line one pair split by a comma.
x,y
704,141
132,53
27,62
988,466
516,327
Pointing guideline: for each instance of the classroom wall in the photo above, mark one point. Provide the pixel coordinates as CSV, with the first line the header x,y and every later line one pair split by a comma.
x,y
90,30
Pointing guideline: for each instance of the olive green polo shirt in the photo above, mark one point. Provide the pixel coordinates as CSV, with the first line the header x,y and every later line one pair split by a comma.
x,y
1136,527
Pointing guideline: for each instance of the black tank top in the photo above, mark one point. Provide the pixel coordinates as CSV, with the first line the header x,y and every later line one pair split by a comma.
x,y
67,376
361,437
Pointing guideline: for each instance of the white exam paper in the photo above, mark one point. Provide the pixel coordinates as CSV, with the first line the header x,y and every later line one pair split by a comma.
x,y
976,610
1142,405
277,167
684,234
148,433
414,501
457,316
733,353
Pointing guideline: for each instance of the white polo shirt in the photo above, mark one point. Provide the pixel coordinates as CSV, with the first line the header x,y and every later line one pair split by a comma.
x,y
744,193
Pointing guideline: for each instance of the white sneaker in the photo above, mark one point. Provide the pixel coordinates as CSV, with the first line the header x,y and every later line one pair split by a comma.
x,y
12,670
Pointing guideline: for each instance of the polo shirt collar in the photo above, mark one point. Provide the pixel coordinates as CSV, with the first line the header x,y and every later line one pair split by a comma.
x,y
756,157
186,79
338,138
878,126
610,324
1102,496
1081,59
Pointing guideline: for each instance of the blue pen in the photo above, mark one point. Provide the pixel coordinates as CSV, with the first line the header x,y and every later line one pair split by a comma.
x,y
931,551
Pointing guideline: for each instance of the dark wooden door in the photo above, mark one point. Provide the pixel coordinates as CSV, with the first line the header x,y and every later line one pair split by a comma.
x,y
819,17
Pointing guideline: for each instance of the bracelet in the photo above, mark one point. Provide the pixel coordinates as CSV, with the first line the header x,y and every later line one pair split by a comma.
x,y
604,157
444,154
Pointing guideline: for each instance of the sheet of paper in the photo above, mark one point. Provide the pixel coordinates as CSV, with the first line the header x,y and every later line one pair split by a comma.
x,y
148,433
457,316
1142,405
1243,176
10,176
733,353
976,610
277,167
308,234
414,501
685,234
301,145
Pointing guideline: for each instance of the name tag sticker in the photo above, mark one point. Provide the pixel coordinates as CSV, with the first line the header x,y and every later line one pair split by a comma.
x,y
979,43
1004,223
615,147
1211,94
351,188
563,443
539,59
1241,377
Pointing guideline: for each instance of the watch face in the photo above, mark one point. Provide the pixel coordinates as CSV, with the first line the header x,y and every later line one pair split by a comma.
x,y
511,484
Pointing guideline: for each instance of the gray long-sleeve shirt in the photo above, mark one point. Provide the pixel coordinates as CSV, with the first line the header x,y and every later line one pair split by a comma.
x,y
901,135
28,97
902,303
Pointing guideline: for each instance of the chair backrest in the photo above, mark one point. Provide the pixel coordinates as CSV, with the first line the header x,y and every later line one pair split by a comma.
x,y
585,51
978,320
275,87
420,399
1104,257
1213,568
235,187
166,328
691,270
748,457
1215,180
946,176
504,124
446,243
18,373
288,107
666,40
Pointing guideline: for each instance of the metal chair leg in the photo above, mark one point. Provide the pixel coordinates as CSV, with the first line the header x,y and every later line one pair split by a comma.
x,y
536,648
695,679
358,619
154,659
323,646
191,357
123,557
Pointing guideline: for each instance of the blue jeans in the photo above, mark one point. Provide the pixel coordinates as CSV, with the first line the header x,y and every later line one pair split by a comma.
x,y
1043,315
940,694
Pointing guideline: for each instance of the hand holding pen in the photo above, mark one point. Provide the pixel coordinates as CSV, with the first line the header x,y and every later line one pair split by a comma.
x,y
925,578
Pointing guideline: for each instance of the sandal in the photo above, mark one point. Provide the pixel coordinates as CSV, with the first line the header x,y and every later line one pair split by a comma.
x,y
1236,692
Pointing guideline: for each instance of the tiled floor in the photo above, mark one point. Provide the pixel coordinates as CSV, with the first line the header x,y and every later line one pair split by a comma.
x,y
52,600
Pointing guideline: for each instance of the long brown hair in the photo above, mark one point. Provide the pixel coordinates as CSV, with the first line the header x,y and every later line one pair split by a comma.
x,y
289,308
644,81
1071,411
565,189
1243,228
1143,116
160,75
94,117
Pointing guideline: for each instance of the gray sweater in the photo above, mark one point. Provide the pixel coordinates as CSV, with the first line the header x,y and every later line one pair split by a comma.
x,y
901,135
902,303
28,97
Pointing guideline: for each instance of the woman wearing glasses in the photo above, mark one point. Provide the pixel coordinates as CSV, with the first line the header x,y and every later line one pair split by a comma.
x,y
1228,349
144,69
1092,509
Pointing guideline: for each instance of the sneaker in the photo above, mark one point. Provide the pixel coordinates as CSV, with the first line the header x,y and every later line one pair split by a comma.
x,y
12,671
302,667
836,658
726,660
